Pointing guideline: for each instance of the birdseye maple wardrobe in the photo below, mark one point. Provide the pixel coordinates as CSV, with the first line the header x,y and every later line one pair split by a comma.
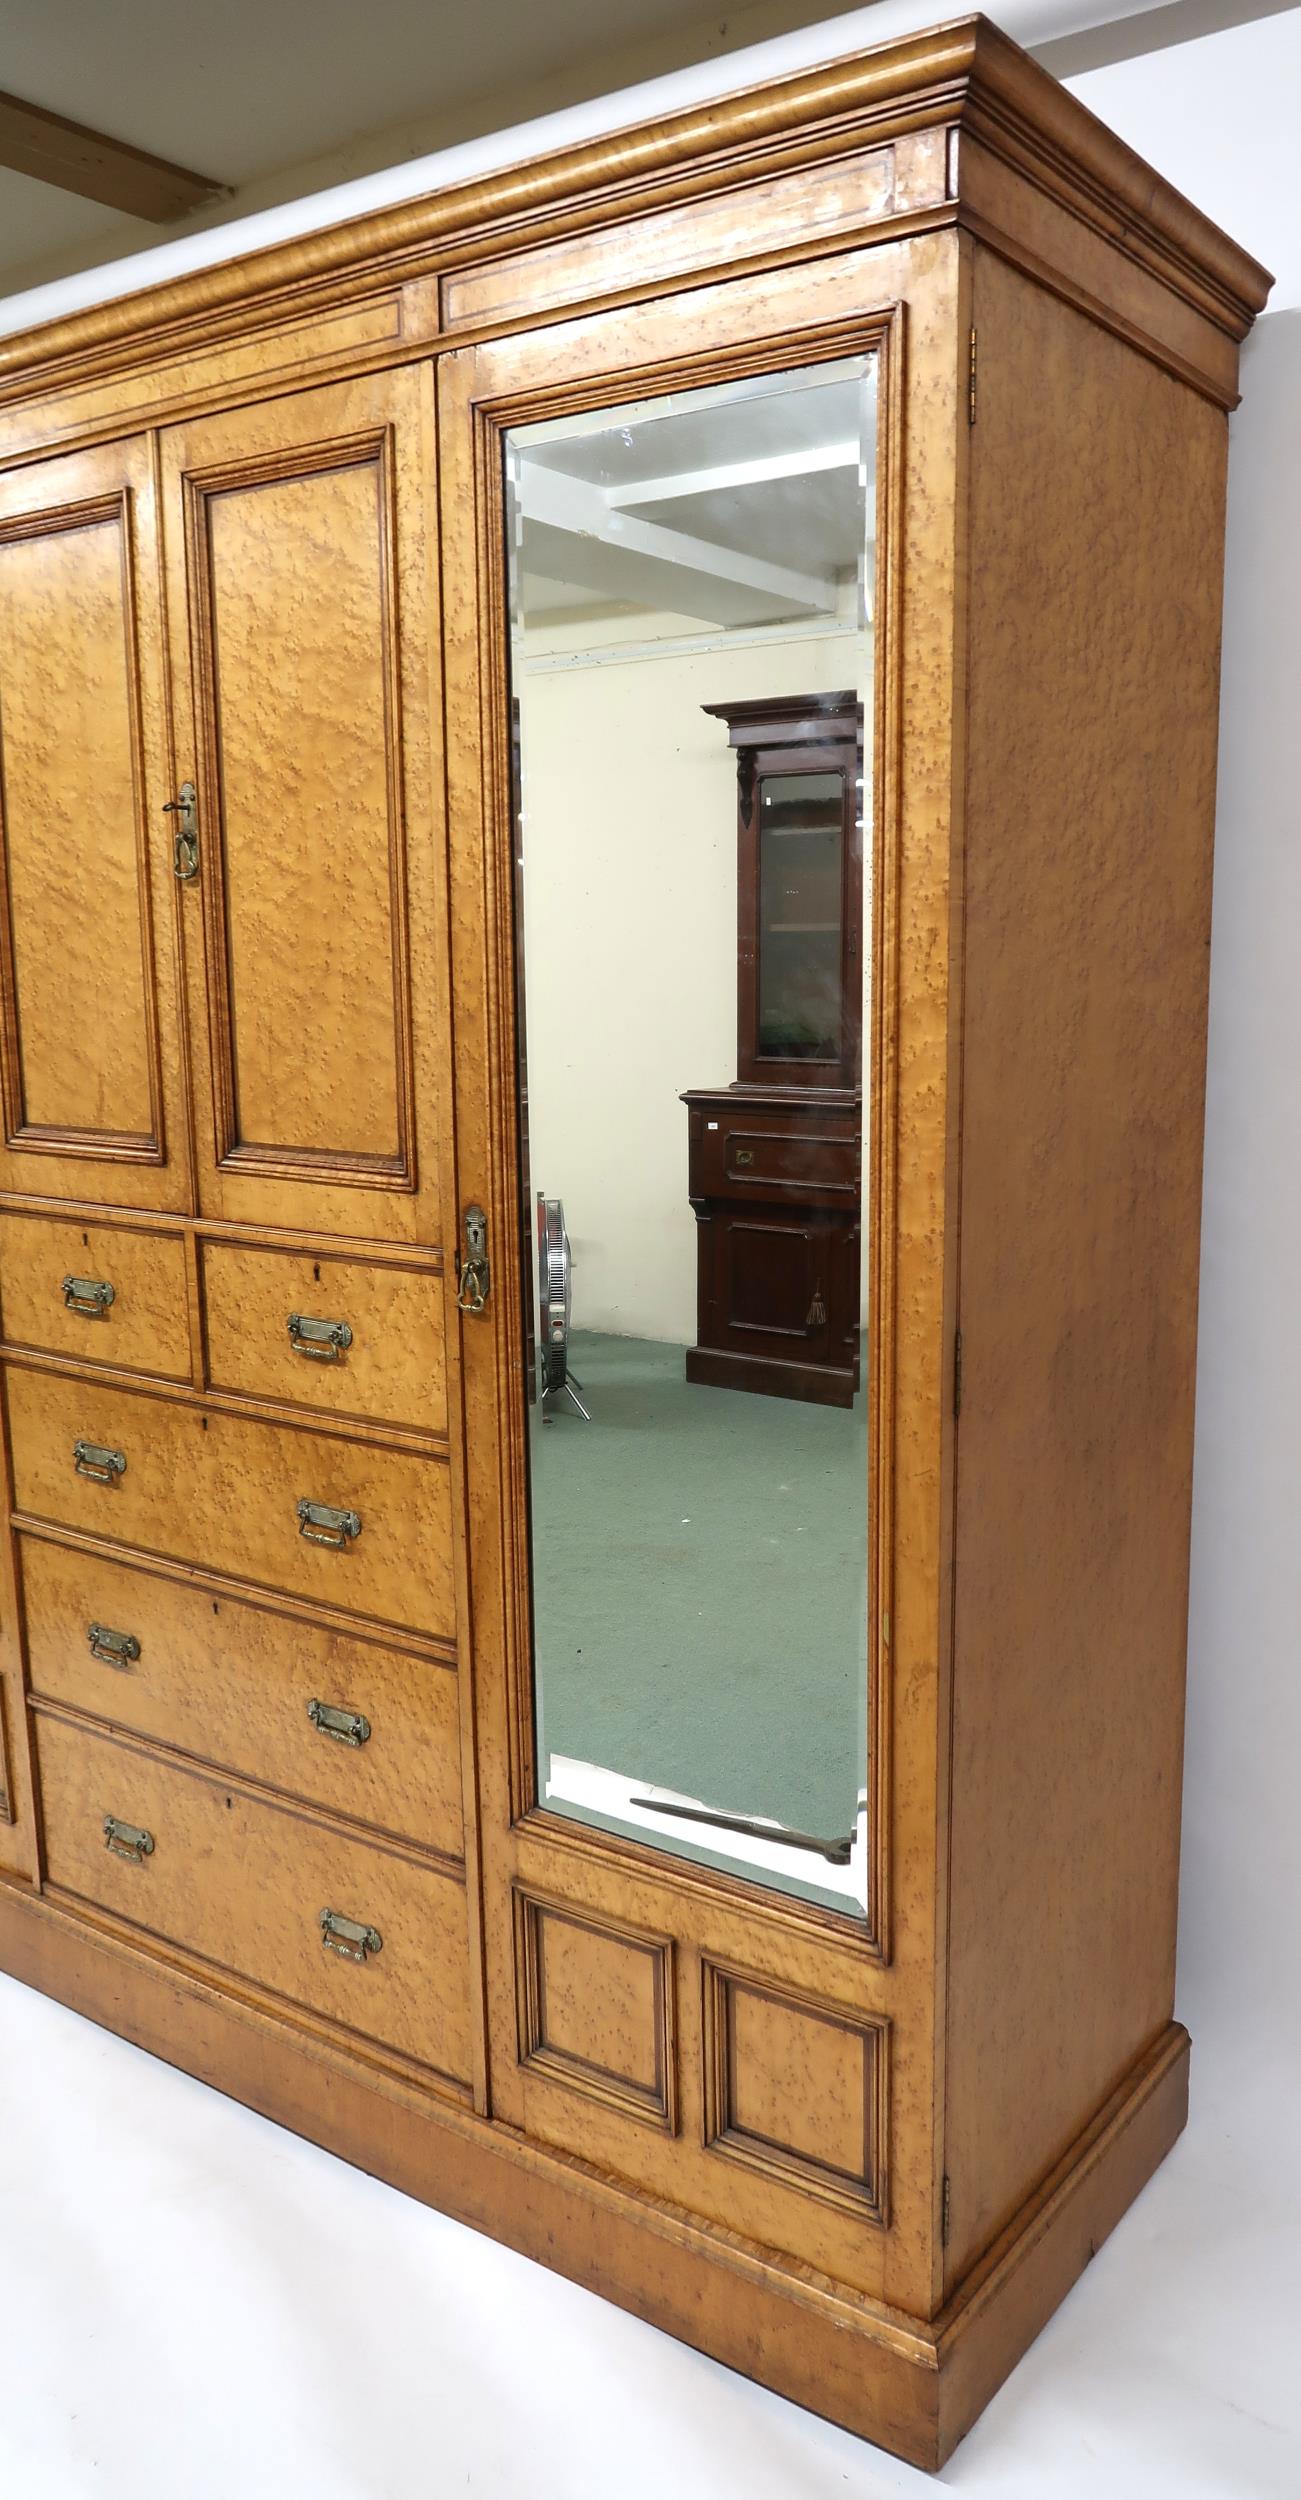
x,y
301,558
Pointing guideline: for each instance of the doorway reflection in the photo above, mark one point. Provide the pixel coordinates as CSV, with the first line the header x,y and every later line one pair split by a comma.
x,y
691,665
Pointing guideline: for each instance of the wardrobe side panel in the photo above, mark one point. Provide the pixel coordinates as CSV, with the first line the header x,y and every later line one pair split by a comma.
x,y
1096,536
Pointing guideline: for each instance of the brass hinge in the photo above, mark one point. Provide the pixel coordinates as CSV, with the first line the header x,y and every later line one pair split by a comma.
x,y
957,1371
971,381
944,2212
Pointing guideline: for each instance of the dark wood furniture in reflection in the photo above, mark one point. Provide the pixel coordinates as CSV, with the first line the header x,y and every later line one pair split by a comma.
x,y
774,1159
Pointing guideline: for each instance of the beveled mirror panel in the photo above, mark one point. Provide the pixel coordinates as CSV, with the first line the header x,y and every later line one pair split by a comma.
x,y
691,666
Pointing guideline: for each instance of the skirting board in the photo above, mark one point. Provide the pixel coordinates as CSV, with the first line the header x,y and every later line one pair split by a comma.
x,y
907,2385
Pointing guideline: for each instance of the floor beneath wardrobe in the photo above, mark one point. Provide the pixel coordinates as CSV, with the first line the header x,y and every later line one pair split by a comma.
x,y
195,2305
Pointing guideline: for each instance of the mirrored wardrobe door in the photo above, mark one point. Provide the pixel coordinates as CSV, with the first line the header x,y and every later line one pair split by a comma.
x,y
659,582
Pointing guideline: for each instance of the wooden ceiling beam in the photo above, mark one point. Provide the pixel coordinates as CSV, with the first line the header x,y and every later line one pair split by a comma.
x,y
72,158
682,484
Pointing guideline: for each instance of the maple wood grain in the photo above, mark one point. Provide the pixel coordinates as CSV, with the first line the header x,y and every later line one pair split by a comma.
x,y
251,535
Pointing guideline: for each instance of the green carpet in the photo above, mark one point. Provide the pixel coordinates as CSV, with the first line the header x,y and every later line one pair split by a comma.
x,y
700,1586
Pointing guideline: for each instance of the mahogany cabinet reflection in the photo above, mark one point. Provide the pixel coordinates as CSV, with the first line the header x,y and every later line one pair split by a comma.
x,y
774,1163
801,1975
775,1181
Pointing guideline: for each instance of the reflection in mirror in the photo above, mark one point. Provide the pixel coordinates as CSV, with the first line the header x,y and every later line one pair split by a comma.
x,y
691,663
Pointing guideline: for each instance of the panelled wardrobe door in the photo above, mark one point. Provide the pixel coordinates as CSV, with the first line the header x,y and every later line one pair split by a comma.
x,y
303,623
90,1065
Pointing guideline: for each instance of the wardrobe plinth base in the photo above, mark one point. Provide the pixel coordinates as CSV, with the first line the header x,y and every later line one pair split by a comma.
x,y
909,2385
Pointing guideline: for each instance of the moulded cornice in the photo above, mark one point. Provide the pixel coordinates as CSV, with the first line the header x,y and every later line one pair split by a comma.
x,y
966,76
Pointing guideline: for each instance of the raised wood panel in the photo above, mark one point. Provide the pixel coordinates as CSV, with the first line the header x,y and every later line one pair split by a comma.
x,y
146,1326
596,2009
302,616
796,2091
88,1051
579,2072
394,1370
232,1684
242,1883
310,1029
212,1489
83,1057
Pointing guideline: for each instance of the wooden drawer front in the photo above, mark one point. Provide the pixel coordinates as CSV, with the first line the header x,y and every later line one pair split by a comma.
x,y
146,1325
223,1491
392,1369
242,1883
232,1684
810,1157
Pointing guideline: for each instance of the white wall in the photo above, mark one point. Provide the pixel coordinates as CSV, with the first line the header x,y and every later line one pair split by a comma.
x,y
1240,1969
1218,118
630,948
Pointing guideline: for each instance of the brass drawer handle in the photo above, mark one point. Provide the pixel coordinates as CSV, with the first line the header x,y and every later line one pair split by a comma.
x,y
91,1295
101,1465
744,1158
348,1937
127,1841
350,1727
323,1526
323,1339
117,1649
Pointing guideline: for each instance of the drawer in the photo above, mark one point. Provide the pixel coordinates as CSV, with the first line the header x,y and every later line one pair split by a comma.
x,y
811,1156
368,1340
223,1491
235,1684
138,1313
242,1883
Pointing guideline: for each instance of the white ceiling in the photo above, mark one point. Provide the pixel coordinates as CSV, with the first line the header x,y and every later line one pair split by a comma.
x,y
241,88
